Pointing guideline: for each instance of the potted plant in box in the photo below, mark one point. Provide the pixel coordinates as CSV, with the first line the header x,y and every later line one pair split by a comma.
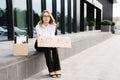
x,y
91,25
106,25
113,27
86,26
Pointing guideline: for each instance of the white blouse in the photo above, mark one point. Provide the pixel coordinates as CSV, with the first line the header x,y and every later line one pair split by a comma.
x,y
43,30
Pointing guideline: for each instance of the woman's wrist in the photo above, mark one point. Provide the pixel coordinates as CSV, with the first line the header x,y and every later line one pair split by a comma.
x,y
38,35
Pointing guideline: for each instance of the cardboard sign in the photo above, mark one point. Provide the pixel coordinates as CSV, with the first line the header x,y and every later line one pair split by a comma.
x,y
56,41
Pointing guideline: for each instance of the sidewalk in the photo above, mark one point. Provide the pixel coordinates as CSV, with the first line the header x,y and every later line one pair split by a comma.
x,y
101,62
22,67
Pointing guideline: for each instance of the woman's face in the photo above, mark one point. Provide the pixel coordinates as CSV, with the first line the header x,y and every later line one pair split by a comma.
x,y
46,18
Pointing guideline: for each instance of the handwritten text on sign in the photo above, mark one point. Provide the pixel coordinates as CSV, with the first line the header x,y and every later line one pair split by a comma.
x,y
56,41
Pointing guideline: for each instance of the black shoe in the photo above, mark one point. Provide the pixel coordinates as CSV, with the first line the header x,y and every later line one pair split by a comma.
x,y
58,75
52,75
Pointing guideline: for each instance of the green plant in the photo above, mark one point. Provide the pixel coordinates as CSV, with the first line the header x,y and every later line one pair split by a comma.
x,y
24,42
86,23
113,23
106,22
91,23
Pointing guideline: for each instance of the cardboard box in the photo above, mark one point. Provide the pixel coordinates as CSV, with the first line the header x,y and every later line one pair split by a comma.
x,y
20,49
56,41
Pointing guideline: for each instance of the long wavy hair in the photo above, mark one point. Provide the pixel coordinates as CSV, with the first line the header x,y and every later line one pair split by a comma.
x,y
52,20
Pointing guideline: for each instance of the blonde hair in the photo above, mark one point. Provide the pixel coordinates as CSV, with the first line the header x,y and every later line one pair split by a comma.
x,y
52,20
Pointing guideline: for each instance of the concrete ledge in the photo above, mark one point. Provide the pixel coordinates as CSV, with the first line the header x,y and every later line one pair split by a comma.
x,y
19,68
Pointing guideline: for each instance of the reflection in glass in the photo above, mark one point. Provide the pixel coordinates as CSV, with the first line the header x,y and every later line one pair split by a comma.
x,y
20,24
72,15
95,14
36,12
85,17
49,5
58,16
3,20
66,15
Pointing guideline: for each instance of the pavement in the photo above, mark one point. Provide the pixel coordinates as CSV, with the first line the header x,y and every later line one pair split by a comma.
x,y
100,62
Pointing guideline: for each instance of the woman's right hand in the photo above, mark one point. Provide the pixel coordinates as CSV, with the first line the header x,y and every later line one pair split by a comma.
x,y
38,35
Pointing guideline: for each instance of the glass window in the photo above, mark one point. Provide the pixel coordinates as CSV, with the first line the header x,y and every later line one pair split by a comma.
x,y
20,20
49,5
95,14
85,10
72,14
66,15
36,13
85,17
58,16
3,20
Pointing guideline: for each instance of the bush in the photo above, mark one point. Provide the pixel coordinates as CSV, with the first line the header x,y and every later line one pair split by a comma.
x,y
86,23
91,23
106,22
113,23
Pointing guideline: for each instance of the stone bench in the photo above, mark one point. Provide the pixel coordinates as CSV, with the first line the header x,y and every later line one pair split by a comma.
x,y
19,68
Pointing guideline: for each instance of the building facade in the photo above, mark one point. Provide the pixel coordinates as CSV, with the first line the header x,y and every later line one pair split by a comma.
x,y
20,17
107,8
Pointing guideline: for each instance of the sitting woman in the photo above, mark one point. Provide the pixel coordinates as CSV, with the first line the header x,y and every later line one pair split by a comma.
x,y
47,27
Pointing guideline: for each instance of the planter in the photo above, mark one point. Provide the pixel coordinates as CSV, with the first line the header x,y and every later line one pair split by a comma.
x,y
91,25
105,28
87,28
92,28
113,29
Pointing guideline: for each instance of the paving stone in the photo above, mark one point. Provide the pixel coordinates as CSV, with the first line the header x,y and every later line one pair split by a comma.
x,y
12,72
3,74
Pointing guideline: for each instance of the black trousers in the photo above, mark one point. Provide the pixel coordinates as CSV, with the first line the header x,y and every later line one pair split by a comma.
x,y
51,56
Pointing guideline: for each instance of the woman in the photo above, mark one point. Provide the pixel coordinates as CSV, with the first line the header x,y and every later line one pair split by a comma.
x,y
46,27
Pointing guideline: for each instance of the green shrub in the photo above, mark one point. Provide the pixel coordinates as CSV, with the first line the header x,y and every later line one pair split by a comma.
x,y
113,23
91,23
106,22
